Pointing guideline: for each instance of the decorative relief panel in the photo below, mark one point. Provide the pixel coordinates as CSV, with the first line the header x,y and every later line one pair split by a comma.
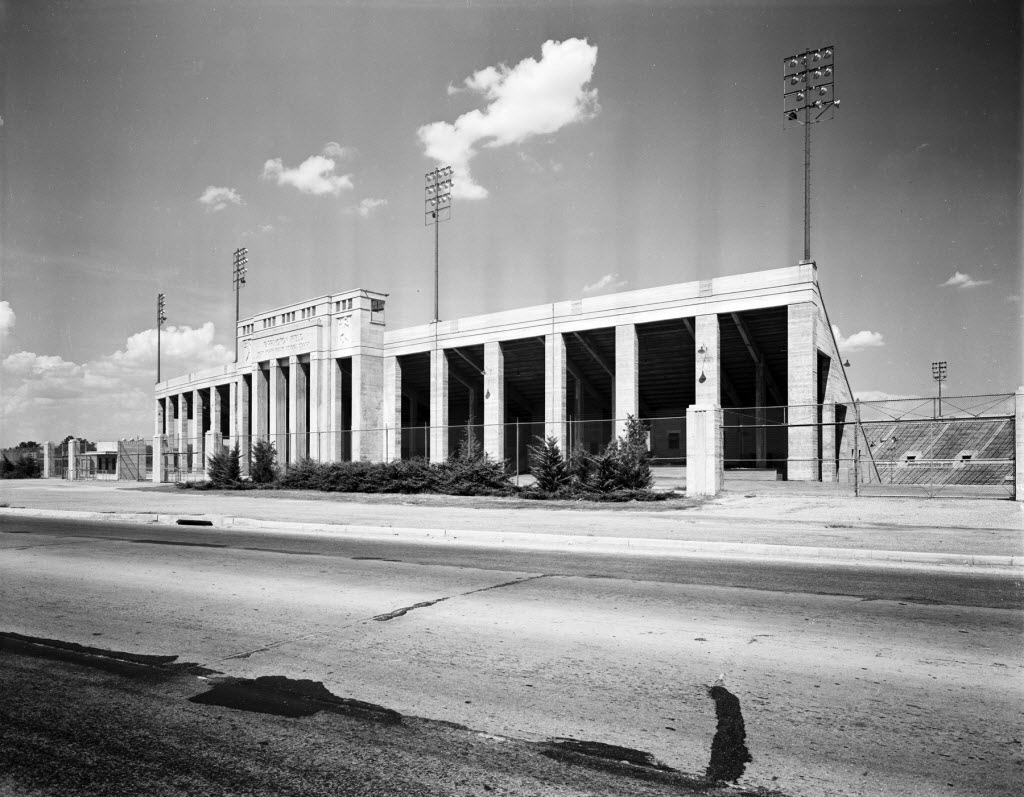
x,y
343,325
301,341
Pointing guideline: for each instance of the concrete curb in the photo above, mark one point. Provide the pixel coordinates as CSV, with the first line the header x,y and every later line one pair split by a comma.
x,y
557,542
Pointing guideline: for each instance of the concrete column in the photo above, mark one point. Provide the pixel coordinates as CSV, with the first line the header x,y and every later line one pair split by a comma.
x,y
705,462
335,398
707,366
828,440
554,390
367,392
494,401
158,426
392,408
438,406
1018,420
627,392
213,442
297,418
197,430
279,411
48,464
802,392
316,405
181,423
215,411
243,399
233,424
72,459
260,398
760,399
159,449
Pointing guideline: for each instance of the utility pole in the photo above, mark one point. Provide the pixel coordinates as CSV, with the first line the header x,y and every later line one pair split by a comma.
x,y
808,98
939,375
437,205
160,318
239,280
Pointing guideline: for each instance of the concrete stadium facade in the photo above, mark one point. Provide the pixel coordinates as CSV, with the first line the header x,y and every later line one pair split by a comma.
x,y
327,379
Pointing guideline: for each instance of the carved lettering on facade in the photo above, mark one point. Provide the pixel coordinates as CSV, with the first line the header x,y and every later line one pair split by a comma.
x,y
301,341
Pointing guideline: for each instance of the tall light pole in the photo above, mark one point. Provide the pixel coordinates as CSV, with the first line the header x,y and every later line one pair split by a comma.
x,y
437,207
239,280
939,375
160,318
808,98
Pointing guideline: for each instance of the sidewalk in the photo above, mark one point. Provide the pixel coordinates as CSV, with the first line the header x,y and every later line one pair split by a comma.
x,y
759,520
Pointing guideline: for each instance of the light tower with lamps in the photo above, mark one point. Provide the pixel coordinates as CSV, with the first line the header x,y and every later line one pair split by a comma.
x,y
939,375
808,97
160,318
241,258
437,207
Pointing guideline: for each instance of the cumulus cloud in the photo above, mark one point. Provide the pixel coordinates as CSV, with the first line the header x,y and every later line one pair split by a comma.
x,y
858,341
533,98
961,280
7,318
315,175
367,206
218,197
607,282
48,397
332,149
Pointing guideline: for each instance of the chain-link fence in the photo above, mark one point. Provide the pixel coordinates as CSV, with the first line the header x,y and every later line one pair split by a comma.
x,y
897,447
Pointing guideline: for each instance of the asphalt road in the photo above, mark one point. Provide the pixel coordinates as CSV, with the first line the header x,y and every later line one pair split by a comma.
x,y
852,680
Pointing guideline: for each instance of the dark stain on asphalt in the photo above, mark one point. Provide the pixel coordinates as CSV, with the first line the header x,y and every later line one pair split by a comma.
x,y
373,559
193,522
288,697
183,544
130,665
610,752
729,753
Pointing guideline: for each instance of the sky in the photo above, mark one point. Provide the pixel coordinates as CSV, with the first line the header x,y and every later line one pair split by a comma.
x,y
596,147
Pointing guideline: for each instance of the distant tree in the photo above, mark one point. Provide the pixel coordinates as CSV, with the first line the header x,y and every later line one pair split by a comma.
x,y
28,444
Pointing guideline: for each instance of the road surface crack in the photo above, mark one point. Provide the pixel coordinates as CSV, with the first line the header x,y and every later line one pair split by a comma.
x,y
424,604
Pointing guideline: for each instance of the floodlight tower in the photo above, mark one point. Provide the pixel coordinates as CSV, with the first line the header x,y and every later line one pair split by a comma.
x,y
160,318
808,97
239,280
939,375
437,207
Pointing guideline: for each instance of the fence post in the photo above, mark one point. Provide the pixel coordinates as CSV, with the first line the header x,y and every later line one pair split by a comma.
x,y
1018,449
72,459
159,445
48,464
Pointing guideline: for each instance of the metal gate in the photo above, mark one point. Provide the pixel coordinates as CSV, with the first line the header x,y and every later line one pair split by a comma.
x,y
961,448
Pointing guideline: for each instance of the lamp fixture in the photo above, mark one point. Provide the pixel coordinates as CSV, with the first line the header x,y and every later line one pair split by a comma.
x,y
702,350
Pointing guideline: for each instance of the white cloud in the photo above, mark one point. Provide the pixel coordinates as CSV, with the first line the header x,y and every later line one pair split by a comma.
x,y
858,341
315,175
218,197
530,99
368,205
48,397
7,318
961,280
608,281
332,149
880,395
